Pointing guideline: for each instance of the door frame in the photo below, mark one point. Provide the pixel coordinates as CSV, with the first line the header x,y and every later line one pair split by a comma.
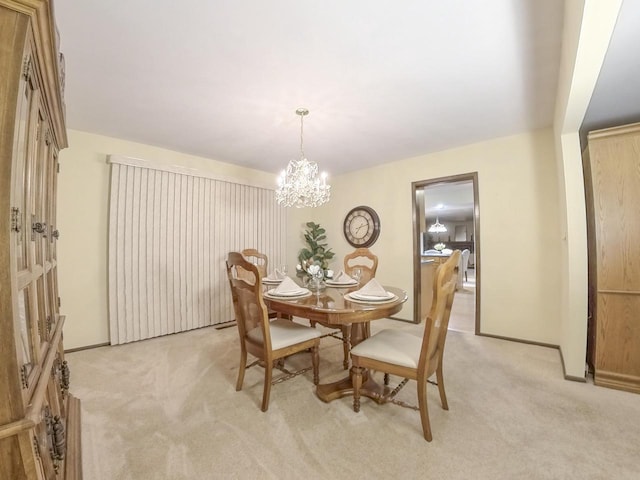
x,y
419,185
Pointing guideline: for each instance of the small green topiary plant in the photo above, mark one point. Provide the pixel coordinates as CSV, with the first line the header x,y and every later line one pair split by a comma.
x,y
316,252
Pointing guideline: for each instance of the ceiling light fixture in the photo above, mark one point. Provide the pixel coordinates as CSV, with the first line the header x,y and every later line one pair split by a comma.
x,y
299,185
437,227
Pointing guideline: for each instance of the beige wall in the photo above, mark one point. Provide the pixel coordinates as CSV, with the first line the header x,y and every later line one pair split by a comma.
x,y
526,308
533,281
588,26
519,227
83,193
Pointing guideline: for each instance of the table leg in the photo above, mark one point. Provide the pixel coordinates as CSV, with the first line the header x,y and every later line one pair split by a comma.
x,y
331,391
370,388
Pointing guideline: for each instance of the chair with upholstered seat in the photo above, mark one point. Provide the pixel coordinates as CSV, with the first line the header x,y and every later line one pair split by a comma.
x,y
258,259
261,261
269,341
398,352
367,262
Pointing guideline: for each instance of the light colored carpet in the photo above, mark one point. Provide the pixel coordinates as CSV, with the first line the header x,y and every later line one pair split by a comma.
x,y
167,408
463,312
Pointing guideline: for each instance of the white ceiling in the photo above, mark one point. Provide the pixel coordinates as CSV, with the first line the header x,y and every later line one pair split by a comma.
x,y
450,201
383,80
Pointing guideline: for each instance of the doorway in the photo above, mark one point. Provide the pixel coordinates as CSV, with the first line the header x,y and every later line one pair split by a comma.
x,y
446,215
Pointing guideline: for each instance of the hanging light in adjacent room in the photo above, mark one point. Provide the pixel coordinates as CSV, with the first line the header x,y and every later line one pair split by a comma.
x,y
299,185
437,227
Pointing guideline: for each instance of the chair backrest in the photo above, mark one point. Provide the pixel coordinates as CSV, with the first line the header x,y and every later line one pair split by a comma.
x,y
258,259
249,307
464,263
465,259
363,259
437,323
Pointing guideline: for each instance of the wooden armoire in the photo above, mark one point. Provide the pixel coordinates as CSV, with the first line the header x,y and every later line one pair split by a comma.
x,y
612,179
39,418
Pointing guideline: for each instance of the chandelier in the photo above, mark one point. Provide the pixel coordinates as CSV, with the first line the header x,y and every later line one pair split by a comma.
x,y
299,185
437,227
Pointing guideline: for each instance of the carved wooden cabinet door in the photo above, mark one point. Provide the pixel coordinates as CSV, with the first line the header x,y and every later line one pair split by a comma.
x,y
39,418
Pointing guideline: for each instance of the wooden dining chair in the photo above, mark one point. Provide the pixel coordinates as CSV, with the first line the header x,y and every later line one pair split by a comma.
x,y
368,263
363,259
261,261
258,259
397,352
269,341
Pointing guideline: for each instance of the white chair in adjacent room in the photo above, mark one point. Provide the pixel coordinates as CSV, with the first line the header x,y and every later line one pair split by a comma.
x,y
462,268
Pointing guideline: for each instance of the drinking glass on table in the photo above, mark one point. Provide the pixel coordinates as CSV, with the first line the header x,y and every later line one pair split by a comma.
x,y
319,280
356,274
283,270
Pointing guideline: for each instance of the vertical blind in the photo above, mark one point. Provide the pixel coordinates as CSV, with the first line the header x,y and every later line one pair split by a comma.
x,y
169,234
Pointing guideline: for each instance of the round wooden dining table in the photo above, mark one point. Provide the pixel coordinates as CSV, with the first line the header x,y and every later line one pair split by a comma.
x,y
330,307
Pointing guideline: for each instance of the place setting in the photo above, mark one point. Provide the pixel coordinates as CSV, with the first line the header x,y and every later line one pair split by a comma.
x,y
287,289
276,277
372,293
342,280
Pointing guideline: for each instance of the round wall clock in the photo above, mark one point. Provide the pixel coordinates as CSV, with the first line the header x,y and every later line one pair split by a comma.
x,y
361,226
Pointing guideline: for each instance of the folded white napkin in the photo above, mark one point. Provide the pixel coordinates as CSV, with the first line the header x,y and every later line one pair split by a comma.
x,y
275,275
286,286
342,278
373,289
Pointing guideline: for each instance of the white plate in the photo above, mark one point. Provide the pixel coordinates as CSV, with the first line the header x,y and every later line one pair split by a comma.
x,y
268,281
306,293
341,284
294,293
369,300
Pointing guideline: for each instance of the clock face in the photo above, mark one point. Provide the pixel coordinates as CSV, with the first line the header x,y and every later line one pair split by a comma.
x,y
361,226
